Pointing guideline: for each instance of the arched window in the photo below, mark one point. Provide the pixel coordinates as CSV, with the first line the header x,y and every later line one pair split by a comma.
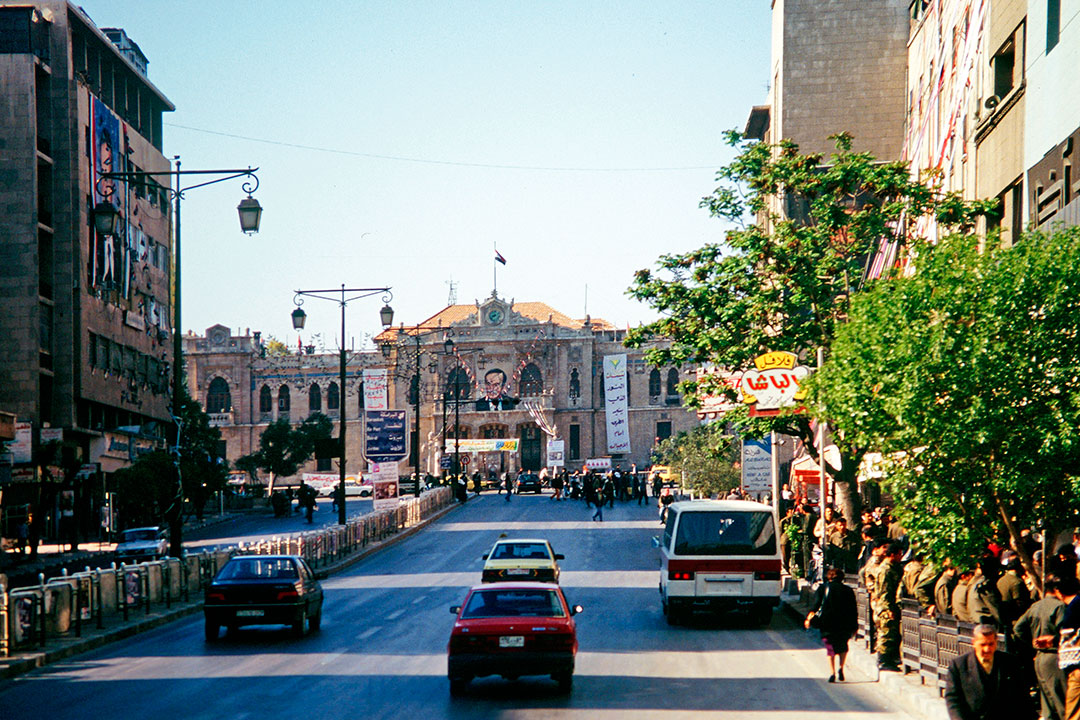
x,y
575,384
458,386
673,382
333,398
266,400
654,383
283,399
314,399
532,383
217,397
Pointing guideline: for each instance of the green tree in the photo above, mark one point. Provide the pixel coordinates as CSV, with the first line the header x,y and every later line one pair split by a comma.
x,y
147,492
706,456
203,471
783,282
283,448
966,375
275,348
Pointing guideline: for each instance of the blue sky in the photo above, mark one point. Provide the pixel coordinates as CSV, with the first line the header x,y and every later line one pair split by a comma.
x,y
400,141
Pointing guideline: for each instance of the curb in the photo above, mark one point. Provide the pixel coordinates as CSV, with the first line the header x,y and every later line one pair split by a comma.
x,y
914,698
25,662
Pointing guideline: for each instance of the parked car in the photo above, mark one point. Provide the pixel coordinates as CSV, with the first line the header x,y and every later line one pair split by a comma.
x,y
513,629
521,559
263,590
351,490
529,482
142,543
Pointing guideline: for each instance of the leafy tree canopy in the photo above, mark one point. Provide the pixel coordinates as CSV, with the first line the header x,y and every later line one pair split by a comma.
x,y
706,456
283,448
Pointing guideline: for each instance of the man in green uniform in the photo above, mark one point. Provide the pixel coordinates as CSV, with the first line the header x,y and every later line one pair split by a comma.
x,y
1038,628
943,590
868,578
919,580
886,606
1015,599
959,596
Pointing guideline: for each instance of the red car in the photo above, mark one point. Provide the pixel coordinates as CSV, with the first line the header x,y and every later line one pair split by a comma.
x,y
513,629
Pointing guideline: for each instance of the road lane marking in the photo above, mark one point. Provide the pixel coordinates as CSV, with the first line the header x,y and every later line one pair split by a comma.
x,y
570,579
395,615
369,632
502,525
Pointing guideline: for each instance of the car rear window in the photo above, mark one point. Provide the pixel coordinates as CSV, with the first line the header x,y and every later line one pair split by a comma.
x,y
513,603
139,535
259,569
518,551
725,533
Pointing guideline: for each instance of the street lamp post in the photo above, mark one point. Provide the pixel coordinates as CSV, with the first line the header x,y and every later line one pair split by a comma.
x,y
108,221
386,317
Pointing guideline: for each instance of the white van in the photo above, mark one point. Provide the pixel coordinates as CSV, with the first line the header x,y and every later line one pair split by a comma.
x,y
719,555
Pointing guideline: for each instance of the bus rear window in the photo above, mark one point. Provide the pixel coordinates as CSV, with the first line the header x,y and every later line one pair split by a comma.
x,y
725,533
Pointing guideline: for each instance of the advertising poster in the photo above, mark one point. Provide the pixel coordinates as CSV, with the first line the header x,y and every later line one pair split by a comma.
x,y
22,447
615,404
757,466
384,478
555,453
375,391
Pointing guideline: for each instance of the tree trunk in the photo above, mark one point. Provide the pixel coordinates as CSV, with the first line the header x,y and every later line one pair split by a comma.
x,y
847,492
1017,544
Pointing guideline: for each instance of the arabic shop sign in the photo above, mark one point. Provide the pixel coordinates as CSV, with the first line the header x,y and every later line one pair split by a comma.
x,y
385,435
774,383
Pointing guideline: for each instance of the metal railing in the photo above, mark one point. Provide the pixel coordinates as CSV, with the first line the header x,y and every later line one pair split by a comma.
x,y
60,607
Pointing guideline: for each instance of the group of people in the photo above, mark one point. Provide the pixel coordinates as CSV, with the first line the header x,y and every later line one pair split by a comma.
x,y
995,594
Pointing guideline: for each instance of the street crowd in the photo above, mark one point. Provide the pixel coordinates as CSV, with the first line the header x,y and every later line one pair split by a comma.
x,y
992,593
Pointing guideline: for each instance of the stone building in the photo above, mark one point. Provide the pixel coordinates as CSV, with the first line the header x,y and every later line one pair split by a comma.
x,y
552,365
85,350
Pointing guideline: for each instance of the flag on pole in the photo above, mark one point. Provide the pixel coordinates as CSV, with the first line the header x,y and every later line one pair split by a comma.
x,y
499,257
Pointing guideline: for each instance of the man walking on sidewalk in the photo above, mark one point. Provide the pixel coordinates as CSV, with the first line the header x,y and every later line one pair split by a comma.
x,y
985,684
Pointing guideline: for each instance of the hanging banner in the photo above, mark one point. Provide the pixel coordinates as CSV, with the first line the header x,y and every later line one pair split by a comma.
x,y
555,453
774,383
375,389
757,466
384,480
475,445
22,448
384,432
618,421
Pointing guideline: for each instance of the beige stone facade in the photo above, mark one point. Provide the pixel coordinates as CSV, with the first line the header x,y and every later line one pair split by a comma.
x,y
551,362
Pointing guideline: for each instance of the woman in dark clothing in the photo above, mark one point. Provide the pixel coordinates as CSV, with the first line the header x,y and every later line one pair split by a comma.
x,y
836,615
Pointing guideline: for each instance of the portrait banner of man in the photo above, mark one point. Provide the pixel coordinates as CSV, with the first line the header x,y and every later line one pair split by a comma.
x,y
496,392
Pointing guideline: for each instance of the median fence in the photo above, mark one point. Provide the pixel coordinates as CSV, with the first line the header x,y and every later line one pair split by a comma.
x,y
62,607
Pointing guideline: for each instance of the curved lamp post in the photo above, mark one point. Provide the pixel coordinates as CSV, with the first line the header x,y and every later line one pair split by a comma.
x,y
299,317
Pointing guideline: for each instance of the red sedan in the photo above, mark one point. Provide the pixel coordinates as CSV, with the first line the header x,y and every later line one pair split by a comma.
x,y
513,629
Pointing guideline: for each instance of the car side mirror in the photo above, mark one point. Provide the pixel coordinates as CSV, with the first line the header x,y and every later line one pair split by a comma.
x,y
483,557
576,609
455,609
656,541
560,556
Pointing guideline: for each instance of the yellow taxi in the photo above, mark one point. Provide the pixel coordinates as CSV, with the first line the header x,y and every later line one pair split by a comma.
x,y
521,559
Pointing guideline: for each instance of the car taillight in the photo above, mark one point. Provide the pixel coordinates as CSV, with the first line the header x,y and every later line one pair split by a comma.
x,y
465,643
680,575
289,594
766,574
490,575
215,597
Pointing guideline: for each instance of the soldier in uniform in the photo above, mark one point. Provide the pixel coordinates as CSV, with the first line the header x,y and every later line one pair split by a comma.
x,y
919,580
983,600
943,590
1015,599
842,546
959,595
1038,628
886,606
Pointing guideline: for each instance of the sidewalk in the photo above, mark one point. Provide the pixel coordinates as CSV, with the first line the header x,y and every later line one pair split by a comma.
x,y
907,691
139,621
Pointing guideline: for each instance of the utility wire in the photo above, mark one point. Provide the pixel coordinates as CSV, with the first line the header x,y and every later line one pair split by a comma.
x,y
428,161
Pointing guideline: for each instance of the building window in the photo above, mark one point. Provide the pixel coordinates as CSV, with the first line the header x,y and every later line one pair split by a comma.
x,y
654,383
218,399
673,387
333,399
575,442
323,464
532,383
314,399
575,384
496,432
663,430
458,386
1053,24
266,400
283,399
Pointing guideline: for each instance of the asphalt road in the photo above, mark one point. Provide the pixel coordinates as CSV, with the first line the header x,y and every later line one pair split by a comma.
x,y
381,650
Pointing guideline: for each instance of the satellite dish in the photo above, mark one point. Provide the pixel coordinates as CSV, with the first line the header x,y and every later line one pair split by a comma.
x,y
992,102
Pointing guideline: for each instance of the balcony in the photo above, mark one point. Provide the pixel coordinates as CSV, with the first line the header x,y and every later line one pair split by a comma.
x,y
219,419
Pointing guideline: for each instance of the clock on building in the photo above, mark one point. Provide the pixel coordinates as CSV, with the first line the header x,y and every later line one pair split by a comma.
x,y
495,316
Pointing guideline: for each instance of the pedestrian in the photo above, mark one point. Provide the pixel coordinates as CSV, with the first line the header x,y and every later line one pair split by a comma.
x,y
985,684
836,614
598,513
657,484
666,499
1067,590
886,606
983,600
509,486
24,535
608,490
1039,629
943,590
1015,600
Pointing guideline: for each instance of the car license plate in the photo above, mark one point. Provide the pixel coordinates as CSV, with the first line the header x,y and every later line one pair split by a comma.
x,y
249,613
512,641
518,571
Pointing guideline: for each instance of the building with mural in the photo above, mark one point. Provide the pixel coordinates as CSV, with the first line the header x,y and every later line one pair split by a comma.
x,y
512,371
